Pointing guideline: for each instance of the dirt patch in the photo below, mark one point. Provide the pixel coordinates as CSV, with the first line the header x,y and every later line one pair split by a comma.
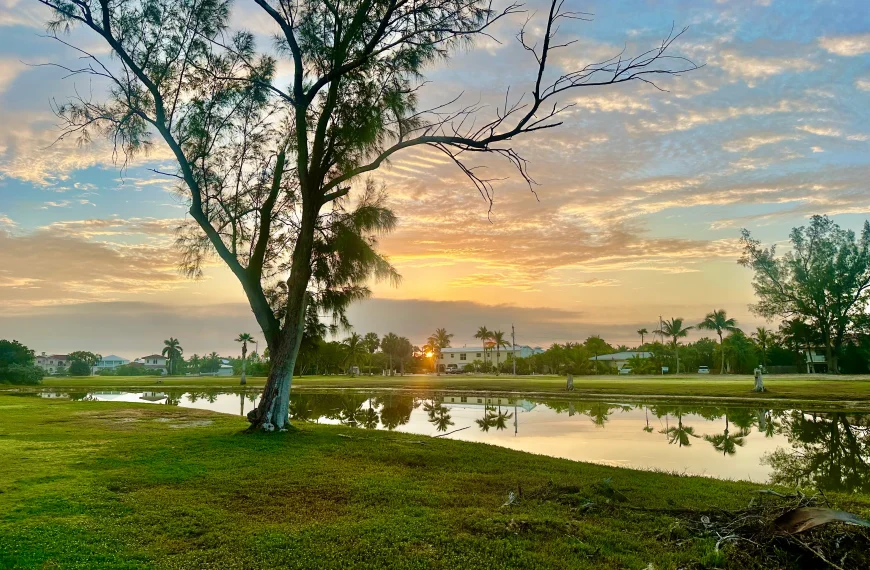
x,y
191,424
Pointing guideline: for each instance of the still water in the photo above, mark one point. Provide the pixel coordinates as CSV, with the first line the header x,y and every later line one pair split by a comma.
x,y
830,449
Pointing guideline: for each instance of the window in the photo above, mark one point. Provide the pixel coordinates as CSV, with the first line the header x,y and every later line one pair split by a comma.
x,y
479,401
462,356
463,399
452,355
478,355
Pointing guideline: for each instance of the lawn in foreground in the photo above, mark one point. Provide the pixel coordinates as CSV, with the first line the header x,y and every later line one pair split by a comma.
x,y
854,388
107,485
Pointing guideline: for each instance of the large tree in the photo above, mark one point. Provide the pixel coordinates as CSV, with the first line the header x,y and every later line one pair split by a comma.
x,y
824,279
259,163
439,340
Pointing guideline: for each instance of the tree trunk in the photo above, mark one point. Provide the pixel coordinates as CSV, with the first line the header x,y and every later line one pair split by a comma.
x,y
722,350
244,379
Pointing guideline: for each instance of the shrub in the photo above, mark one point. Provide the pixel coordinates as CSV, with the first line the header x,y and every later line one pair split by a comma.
x,y
27,374
79,368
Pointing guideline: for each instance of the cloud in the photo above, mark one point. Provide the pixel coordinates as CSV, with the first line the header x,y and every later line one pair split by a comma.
x,y
596,282
752,142
821,131
846,45
751,68
9,70
131,329
691,119
863,84
59,265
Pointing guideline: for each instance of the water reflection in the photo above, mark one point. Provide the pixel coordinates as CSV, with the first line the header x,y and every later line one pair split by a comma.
x,y
830,450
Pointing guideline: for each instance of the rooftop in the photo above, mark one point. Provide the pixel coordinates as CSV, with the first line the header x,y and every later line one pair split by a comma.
x,y
620,356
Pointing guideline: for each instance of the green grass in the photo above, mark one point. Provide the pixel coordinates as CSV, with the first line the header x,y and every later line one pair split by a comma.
x,y
827,388
108,485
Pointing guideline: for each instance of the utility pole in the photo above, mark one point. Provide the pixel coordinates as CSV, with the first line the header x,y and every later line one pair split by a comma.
x,y
662,334
514,343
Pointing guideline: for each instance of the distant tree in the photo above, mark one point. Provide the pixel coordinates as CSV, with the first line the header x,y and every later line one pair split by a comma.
x,y
674,330
244,338
390,345
82,362
642,332
371,343
172,351
194,363
718,321
765,339
484,335
439,341
355,347
404,351
824,279
740,352
499,342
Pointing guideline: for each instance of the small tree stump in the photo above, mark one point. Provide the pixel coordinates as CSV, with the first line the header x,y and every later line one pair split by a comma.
x,y
570,383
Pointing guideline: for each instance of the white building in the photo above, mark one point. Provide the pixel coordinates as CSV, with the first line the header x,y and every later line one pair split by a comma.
x,y
619,360
463,357
110,363
53,363
153,362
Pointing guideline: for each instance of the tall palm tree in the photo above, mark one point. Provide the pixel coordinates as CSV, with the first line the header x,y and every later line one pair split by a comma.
x,y
499,341
173,351
439,340
718,321
355,346
765,339
642,332
244,338
484,334
675,330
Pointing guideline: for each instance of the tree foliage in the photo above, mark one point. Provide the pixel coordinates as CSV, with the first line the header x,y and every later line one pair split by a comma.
x,y
823,280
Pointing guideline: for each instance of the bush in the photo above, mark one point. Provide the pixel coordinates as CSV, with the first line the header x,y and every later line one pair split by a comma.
x,y
27,374
79,368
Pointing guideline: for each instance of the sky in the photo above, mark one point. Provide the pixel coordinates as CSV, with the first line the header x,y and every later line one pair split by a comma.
x,y
640,194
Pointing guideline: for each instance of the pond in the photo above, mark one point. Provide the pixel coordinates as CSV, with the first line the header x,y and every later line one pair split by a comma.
x,y
830,449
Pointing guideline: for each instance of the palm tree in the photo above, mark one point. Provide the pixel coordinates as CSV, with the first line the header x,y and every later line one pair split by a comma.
x,y
438,341
244,338
356,346
195,362
500,341
173,351
718,321
674,329
390,346
679,433
725,442
484,334
764,338
642,332
439,416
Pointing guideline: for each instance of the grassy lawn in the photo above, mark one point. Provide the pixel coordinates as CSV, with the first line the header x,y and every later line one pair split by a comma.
x,y
107,485
838,388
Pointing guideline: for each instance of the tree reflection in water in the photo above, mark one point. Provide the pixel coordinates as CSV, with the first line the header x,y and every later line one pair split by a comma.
x,y
829,451
438,415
